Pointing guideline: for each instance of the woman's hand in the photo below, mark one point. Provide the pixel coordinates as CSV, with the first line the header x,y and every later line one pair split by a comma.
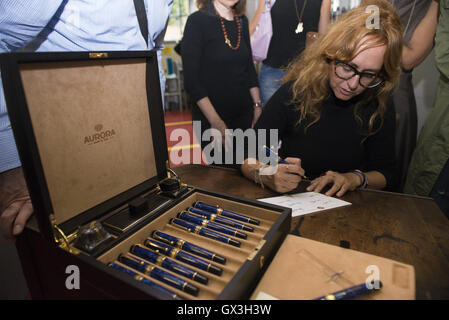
x,y
341,183
286,178
215,120
226,138
256,114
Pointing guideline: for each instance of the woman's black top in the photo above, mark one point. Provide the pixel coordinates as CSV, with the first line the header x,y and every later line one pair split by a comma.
x,y
285,44
212,69
337,141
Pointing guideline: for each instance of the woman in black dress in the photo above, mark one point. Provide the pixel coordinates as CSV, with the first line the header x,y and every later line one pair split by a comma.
x,y
333,114
291,21
219,72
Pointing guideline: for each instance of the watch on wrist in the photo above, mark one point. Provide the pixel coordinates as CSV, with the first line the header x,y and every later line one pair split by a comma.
x,y
258,104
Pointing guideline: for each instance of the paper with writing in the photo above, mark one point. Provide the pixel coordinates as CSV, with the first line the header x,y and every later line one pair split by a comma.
x,y
307,202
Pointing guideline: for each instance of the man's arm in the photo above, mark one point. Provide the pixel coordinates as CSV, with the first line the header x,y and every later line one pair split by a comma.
x,y
325,16
20,22
158,13
422,40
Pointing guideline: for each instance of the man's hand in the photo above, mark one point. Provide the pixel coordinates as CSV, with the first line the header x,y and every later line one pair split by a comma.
x,y
15,203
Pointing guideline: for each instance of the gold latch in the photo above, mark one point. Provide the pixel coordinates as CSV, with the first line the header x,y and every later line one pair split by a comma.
x,y
98,55
63,241
256,249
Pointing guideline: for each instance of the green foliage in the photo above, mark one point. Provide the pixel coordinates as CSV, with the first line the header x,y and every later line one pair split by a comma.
x,y
178,11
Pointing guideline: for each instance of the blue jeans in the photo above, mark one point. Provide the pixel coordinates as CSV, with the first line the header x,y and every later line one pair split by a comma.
x,y
269,82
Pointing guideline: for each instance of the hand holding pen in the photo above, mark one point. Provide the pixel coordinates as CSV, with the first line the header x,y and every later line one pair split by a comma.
x,y
288,174
271,153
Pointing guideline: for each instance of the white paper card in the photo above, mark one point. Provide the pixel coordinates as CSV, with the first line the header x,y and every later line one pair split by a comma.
x,y
307,202
265,296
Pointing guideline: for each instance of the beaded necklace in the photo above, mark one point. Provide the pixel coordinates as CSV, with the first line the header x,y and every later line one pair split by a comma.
x,y
223,28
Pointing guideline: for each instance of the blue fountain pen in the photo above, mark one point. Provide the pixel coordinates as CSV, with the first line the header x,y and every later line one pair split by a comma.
x,y
223,212
167,263
352,292
188,246
158,274
270,153
160,247
146,281
191,227
219,219
211,225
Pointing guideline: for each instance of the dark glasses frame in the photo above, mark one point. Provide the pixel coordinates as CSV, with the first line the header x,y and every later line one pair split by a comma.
x,y
377,81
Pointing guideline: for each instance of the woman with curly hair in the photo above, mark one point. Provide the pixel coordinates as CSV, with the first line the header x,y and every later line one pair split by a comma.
x,y
333,112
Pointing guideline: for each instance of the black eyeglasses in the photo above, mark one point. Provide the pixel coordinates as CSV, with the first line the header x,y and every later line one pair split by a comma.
x,y
366,79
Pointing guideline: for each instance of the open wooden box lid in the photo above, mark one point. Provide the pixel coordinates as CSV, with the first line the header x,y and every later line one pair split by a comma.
x,y
89,128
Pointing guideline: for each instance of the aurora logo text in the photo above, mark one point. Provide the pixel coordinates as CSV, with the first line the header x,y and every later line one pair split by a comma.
x,y
100,135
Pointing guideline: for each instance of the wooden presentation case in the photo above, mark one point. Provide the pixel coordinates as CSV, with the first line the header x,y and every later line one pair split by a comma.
x,y
90,132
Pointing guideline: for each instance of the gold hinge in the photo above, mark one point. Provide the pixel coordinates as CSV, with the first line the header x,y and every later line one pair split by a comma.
x,y
170,172
63,241
171,175
256,249
98,55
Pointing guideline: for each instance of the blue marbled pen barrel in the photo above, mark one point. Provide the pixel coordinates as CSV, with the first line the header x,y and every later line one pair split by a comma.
x,y
191,227
351,293
185,257
158,274
220,219
226,213
188,246
211,225
167,263
144,280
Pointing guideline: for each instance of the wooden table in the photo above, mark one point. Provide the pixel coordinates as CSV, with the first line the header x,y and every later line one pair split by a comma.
x,y
405,228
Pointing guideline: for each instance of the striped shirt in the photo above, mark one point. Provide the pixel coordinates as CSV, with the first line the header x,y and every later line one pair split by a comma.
x,y
73,25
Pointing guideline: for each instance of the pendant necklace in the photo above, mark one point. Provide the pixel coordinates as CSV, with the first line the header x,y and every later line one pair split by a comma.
x,y
300,27
223,28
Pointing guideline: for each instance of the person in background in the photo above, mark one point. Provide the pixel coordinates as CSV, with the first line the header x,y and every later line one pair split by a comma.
x,y
428,174
291,20
219,73
64,25
419,20
333,113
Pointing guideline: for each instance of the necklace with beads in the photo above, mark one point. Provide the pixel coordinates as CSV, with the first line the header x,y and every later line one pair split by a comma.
x,y
223,28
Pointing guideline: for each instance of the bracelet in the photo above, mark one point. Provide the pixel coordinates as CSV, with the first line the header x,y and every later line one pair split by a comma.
x,y
258,104
257,178
362,177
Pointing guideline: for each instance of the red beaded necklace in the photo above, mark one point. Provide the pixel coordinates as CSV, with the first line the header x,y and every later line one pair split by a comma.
x,y
223,28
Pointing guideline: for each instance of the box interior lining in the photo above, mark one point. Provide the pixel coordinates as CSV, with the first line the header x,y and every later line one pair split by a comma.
x,y
93,112
235,256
